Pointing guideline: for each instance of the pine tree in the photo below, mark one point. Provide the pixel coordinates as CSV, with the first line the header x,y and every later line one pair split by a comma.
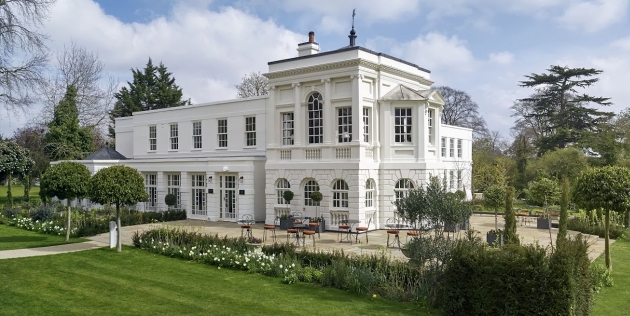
x,y
65,138
151,88
562,109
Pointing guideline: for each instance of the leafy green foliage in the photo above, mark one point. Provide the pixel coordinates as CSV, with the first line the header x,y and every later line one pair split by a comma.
x,y
509,233
14,160
494,197
170,200
288,196
152,88
66,180
543,192
556,164
66,139
317,197
563,112
117,185
488,172
564,208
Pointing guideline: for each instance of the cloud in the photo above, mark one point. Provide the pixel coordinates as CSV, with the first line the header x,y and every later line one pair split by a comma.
x,y
593,16
622,43
501,58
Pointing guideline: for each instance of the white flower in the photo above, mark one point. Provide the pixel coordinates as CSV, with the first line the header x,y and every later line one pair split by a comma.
x,y
280,266
293,265
285,270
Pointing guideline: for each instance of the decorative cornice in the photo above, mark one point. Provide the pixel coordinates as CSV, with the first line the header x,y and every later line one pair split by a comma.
x,y
296,84
326,80
356,62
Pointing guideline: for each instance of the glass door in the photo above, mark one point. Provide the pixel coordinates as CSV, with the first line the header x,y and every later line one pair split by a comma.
x,y
228,197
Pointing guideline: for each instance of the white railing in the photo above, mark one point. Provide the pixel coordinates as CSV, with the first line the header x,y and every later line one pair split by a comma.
x,y
370,215
282,211
343,153
369,152
313,154
337,216
285,154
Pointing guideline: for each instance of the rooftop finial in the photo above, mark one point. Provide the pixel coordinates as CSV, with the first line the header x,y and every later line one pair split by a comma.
x,y
353,35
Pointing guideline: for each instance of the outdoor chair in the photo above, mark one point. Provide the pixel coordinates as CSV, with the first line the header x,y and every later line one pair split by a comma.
x,y
396,235
364,230
309,233
272,229
315,225
293,233
344,229
247,221
412,234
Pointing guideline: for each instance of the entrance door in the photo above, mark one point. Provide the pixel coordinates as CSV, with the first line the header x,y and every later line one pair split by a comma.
x,y
228,197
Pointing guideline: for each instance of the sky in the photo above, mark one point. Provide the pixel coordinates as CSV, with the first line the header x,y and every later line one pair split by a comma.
x,y
483,47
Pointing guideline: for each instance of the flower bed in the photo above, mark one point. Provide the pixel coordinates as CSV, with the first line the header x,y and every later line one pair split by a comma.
x,y
48,227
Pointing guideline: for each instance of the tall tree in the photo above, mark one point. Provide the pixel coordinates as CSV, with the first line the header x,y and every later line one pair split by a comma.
x,y
23,54
14,160
31,137
65,138
252,85
83,69
152,88
461,110
509,233
558,104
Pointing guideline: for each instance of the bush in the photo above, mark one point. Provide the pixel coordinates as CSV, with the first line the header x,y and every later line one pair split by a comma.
x,y
523,280
601,277
11,212
43,213
592,223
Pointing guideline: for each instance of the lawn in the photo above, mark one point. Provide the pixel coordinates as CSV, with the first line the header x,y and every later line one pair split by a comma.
x,y
18,193
614,300
135,282
17,238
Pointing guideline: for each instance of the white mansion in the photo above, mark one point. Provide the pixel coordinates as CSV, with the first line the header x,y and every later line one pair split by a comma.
x,y
359,126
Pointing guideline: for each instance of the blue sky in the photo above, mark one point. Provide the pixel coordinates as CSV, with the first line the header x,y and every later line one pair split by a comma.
x,y
483,47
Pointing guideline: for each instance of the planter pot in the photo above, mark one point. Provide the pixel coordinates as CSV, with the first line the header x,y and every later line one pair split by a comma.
x,y
543,223
286,224
465,225
494,239
252,246
451,228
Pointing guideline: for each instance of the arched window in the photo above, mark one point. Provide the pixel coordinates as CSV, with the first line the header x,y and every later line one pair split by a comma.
x,y
340,194
310,187
281,186
402,188
315,119
370,190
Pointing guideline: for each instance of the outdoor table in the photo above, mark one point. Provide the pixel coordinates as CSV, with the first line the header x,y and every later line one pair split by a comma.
x,y
300,228
348,237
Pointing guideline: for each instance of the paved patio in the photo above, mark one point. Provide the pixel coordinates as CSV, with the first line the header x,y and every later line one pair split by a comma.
x,y
377,239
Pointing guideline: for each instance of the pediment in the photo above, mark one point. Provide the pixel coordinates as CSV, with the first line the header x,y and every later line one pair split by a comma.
x,y
404,93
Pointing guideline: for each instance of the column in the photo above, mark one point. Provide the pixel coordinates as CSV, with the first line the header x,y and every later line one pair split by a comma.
x,y
185,193
161,190
423,132
298,118
329,115
357,109
385,131
272,129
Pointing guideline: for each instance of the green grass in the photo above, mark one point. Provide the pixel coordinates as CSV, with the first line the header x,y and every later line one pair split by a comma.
x,y
17,238
614,300
135,282
18,193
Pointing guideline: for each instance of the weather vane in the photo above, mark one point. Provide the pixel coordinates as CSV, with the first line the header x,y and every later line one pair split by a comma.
x,y
353,14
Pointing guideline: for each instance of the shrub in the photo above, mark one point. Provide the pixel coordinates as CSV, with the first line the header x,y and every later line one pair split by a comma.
x,y
11,212
43,213
601,277
170,200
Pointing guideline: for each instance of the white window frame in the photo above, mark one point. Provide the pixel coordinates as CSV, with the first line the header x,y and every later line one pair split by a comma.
x,y
309,187
173,186
198,194
196,138
282,185
459,180
402,187
451,179
150,186
403,125
366,124
430,122
174,136
288,130
451,147
370,194
250,131
459,148
222,133
152,137
344,124
315,122
443,148
340,191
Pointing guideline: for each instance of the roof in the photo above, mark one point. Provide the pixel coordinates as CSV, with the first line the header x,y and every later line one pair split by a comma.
x,y
106,153
404,93
349,48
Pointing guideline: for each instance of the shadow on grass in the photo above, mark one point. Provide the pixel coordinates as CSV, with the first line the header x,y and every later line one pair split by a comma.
x,y
21,239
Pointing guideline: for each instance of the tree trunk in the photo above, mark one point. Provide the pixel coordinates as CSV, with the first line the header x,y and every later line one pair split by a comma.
x,y
119,244
607,240
9,193
27,188
69,220
549,219
496,219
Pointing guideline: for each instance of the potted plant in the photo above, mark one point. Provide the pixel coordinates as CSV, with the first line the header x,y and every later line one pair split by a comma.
x,y
170,200
495,237
321,224
253,243
543,221
286,221
316,197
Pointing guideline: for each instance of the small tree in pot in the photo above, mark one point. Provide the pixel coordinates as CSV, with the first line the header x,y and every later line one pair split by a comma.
x,y
318,197
285,221
494,198
170,200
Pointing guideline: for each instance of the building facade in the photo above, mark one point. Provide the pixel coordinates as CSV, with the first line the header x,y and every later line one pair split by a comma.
x,y
360,127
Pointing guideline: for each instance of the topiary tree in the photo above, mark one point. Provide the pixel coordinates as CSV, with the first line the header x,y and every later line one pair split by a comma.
x,y
509,233
564,211
544,192
170,200
14,160
288,196
607,189
317,197
118,185
494,198
67,181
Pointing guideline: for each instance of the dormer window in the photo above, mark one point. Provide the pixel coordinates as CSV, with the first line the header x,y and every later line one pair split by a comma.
x,y
315,119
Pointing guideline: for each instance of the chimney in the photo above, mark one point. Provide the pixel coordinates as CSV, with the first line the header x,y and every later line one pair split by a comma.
x,y
308,48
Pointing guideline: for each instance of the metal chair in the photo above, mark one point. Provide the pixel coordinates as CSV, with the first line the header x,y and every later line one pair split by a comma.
x,y
363,230
310,233
394,230
344,228
271,228
247,221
